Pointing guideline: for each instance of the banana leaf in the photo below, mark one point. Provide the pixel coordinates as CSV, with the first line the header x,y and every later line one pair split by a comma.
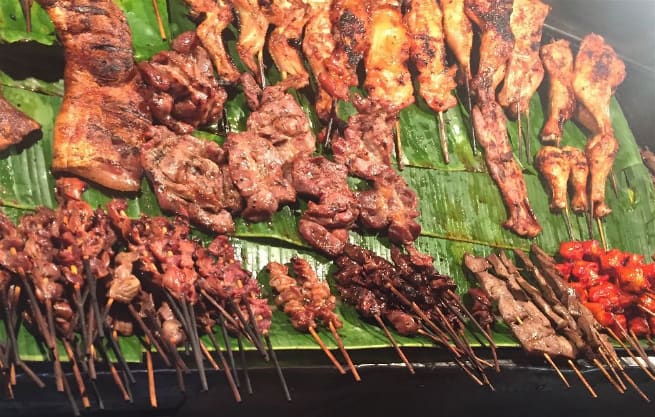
x,y
461,208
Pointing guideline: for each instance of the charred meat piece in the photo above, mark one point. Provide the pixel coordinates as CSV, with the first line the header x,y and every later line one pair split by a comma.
x,y
191,178
102,120
390,204
492,17
481,307
557,59
325,222
318,45
215,16
459,33
388,81
252,33
289,18
598,71
14,124
490,125
524,68
436,80
180,87
350,21
256,170
280,120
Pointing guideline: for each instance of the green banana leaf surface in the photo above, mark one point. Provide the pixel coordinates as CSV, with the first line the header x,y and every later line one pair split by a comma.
x,y
461,208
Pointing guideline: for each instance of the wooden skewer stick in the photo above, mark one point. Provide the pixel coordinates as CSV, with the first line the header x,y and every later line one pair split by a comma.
x,y
567,219
601,231
244,365
641,350
615,186
262,71
92,283
559,372
190,316
635,386
280,375
26,7
589,215
209,357
162,31
344,352
632,355
12,374
149,334
399,146
526,135
583,379
69,395
330,125
646,310
36,313
443,138
224,314
486,334
327,352
395,344
59,373
252,332
228,372
152,390
77,374
255,328
468,371
228,349
613,367
114,373
116,348
608,376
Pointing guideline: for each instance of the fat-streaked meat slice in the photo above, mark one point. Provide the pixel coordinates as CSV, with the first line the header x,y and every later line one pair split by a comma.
x,y
190,178
14,124
256,170
180,87
280,120
103,118
391,204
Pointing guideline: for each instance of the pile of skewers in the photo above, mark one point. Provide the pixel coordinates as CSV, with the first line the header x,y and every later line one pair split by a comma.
x,y
550,320
91,275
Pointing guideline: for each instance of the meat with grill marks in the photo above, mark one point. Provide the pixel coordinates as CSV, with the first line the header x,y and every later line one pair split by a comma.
x,y
558,62
102,120
436,80
14,124
215,16
524,68
180,86
190,178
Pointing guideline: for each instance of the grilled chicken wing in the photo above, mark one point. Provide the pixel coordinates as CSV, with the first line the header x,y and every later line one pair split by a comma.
x,y
14,124
558,62
553,164
350,20
424,23
577,178
388,80
598,71
289,18
492,17
318,45
252,33
524,69
459,33
217,16
103,118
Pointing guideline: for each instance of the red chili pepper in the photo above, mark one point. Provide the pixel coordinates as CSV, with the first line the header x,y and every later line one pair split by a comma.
x,y
571,251
612,259
592,250
639,325
632,278
564,269
602,316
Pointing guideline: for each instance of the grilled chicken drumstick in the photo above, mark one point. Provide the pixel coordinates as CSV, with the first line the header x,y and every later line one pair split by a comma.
x,y
102,120
598,71
558,62
459,33
252,33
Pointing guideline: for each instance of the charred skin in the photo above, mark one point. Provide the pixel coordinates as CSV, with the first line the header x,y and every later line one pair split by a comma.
x,y
103,118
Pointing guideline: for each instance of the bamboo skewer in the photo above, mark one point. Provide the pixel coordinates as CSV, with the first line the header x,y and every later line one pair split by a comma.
x,y
160,24
149,334
625,347
557,370
280,375
59,374
244,365
601,232
325,350
209,357
608,376
399,146
344,352
77,374
613,367
189,313
395,344
443,138
228,349
229,372
583,379
641,350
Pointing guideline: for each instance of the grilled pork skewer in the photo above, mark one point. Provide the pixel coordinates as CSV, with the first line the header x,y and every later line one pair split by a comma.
x,y
101,122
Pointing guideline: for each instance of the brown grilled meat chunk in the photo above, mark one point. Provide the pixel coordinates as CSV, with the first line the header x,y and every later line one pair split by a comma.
x,y
14,124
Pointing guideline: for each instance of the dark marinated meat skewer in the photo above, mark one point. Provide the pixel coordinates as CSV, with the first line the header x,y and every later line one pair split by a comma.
x,y
102,120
